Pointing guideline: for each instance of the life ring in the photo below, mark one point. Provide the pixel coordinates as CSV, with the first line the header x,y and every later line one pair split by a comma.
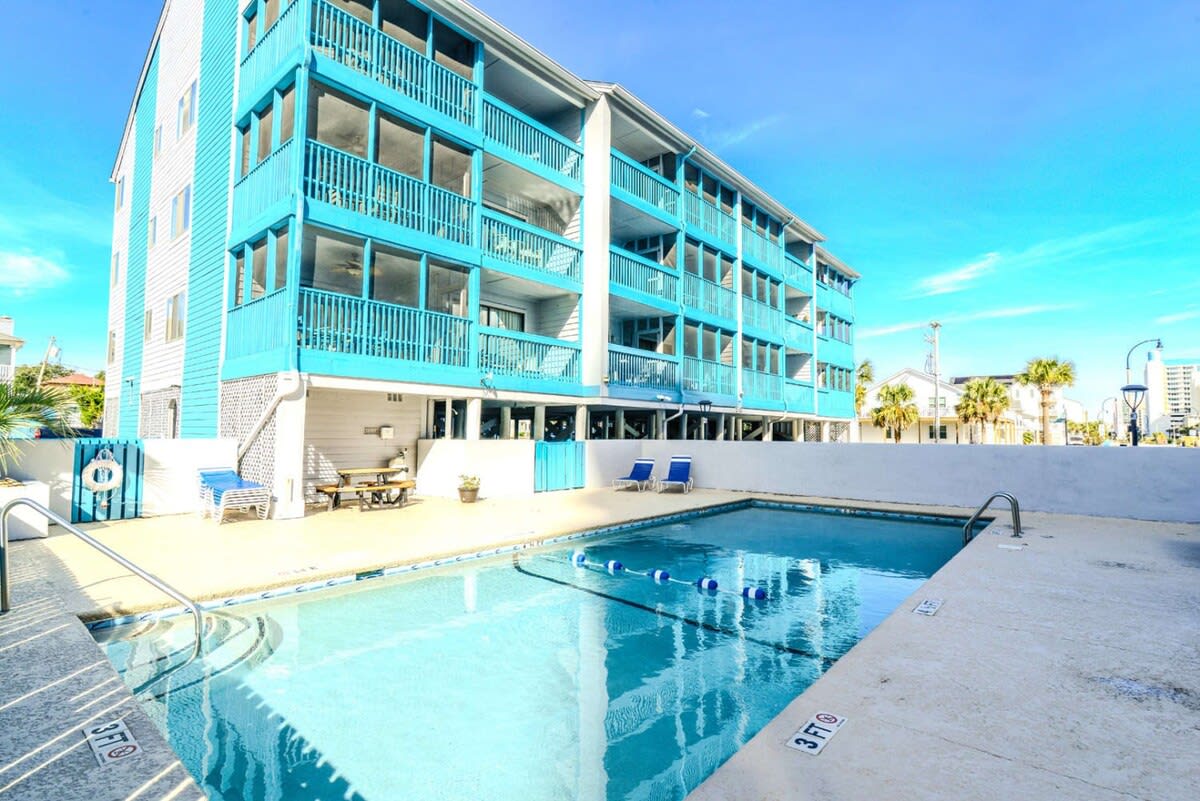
x,y
102,474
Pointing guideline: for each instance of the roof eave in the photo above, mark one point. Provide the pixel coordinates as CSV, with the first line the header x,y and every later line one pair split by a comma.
x,y
833,261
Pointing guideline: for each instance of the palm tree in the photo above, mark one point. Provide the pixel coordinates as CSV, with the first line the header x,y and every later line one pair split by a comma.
x,y
1047,375
22,410
864,377
895,410
985,400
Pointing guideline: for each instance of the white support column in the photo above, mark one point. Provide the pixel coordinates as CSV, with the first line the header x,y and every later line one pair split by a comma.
x,y
474,417
581,423
539,422
798,430
660,424
619,419
597,224
505,422
289,456
768,433
683,426
824,431
721,428
448,420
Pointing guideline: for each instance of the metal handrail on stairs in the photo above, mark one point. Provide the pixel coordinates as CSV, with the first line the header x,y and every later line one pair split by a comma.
x,y
1015,507
158,583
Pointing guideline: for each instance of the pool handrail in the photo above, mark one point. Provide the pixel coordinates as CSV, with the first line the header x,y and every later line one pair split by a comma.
x,y
159,584
1014,507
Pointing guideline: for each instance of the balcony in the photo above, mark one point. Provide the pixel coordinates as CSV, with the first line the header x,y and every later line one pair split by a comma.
x,y
709,219
645,187
761,386
762,250
270,182
513,134
359,186
833,301
836,352
531,249
526,361
333,325
280,47
798,397
259,326
798,273
797,334
714,299
641,369
836,403
765,318
709,377
645,280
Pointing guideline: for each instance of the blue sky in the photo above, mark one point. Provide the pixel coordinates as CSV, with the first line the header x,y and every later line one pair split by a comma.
x,y
1027,174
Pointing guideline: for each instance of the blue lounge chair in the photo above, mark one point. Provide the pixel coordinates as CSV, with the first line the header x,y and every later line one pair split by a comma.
x,y
222,489
679,474
641,476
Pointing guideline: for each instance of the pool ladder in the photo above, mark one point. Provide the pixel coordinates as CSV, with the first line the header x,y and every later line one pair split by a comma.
x,y
5,601
969,528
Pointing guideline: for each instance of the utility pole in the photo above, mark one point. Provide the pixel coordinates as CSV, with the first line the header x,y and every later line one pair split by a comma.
x,y
42,371
937,409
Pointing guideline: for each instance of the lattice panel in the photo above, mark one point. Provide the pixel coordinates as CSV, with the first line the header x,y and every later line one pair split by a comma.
x,y
839,432
242,403
812,431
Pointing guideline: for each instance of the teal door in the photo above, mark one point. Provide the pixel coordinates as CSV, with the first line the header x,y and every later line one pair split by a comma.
x,y
557,466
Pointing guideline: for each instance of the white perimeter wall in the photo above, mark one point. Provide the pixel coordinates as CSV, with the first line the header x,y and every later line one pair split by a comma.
x,y
504,466
1142,483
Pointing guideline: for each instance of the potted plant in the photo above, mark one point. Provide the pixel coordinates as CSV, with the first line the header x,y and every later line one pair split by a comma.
x,y
468,488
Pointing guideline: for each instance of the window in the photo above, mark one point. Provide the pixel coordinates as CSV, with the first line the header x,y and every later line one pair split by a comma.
x,y
116,268
266,119
112,346
244,150
396,277
152,232
185,111
451,167
157,140
281,259
239,279
174,326
691,340
251,32
147,325
941,432
501,318
447,289
337,120
119,199
181,212
258,269
270,13
332,262
401,146
710,265
691,257
287,114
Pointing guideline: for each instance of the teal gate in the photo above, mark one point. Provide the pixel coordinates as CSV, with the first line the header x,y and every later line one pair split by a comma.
x,y
121,503
557,466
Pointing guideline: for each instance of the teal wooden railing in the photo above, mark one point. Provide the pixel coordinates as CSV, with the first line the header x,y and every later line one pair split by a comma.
x,y
796,332
263,324
346,181
798,397
636,272
797,273
283,38
518,243
761,316
836,352
367,50
763,386
699,213
644,184
523,135
706,296
766,251
359,327
269,182
528,356
705,376
630,367
836,403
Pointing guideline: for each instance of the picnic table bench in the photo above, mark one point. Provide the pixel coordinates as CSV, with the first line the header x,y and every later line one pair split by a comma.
x,y
379,493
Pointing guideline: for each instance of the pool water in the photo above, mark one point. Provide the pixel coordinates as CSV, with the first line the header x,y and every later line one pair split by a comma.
x,y
525,676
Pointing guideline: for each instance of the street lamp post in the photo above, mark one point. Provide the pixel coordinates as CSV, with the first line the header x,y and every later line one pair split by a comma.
x,y
1129,355
1133,398
1103,403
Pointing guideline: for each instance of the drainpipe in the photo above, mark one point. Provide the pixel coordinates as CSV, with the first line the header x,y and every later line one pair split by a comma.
x,y
282,393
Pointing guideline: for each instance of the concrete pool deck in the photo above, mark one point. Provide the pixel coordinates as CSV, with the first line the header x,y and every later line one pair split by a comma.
x,y
1067,669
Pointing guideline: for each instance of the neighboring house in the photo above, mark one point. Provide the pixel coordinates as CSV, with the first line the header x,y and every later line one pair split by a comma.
x,y
948,430
436,225
69,382
9,345
1025,409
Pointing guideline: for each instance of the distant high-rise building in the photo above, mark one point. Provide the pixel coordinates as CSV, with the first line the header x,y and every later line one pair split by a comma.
x,y
1172,392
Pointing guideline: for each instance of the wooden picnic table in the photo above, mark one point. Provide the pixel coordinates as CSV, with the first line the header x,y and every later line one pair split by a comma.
x,y
380,492
346,475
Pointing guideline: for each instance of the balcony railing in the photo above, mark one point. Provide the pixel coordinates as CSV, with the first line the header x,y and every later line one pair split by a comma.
x,y
699,213
517,243
699,293
704,376
836,352
260,325
763,386
346,181
836,403
762,249
527,356
512,129
635,272
761,316
358,327
269,182
797,273
630,367
644,184
798,397
367,50
796,332
281,39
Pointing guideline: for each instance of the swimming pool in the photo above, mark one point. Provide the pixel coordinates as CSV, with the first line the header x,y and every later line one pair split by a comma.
x,y
528,676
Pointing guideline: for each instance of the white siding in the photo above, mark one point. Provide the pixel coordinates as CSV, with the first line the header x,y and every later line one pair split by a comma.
x,y
116,291
167,261
559,317
334,438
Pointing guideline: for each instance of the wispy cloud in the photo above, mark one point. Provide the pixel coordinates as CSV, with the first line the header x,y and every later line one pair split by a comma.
x,y
959,279
700,114
958,319
24,272
1168,319
728,137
